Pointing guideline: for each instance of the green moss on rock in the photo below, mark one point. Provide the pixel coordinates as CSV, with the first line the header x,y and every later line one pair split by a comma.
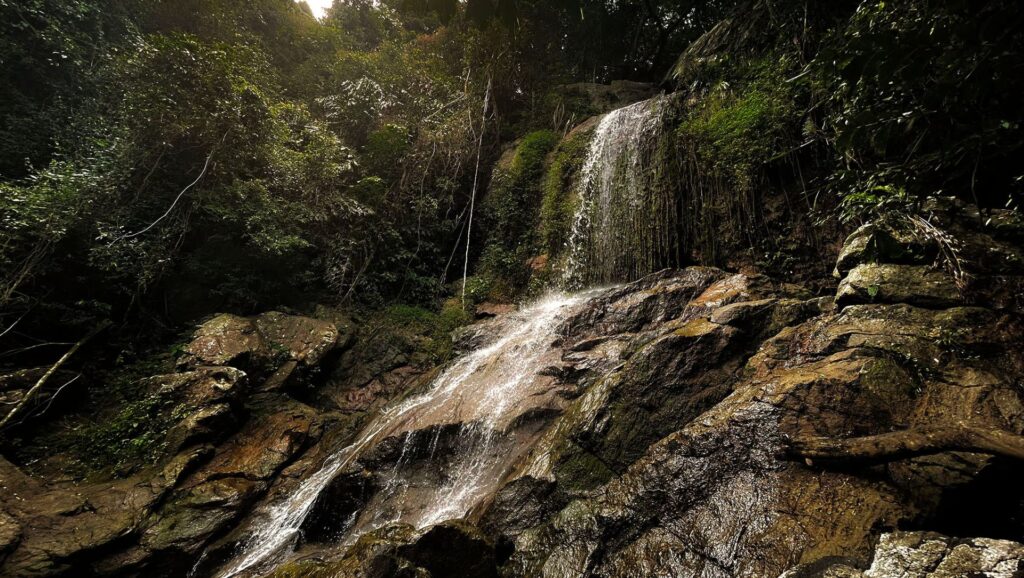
x,y
560,201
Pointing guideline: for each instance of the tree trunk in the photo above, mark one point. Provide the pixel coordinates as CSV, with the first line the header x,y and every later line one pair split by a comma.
x,y
911,443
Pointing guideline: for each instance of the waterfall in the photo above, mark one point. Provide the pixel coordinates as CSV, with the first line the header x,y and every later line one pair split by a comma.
x,y
487,402
484,395
620,226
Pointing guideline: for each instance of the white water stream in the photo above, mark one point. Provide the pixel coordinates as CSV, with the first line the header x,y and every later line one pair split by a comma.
x,y
484,391
605,244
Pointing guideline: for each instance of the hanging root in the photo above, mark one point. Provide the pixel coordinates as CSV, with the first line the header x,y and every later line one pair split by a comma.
x,y
949,248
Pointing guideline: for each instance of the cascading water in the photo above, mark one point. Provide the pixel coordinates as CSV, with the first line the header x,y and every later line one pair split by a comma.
x,y
621,224
484,401
485,395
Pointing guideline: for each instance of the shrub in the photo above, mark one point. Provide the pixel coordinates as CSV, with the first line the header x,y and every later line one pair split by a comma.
x,y
736,132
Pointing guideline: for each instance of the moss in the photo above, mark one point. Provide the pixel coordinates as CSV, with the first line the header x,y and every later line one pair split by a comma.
x,y
697,328
889,382
417,331
559,202
733,142
578,470
121,428
303,569
510,212
736,132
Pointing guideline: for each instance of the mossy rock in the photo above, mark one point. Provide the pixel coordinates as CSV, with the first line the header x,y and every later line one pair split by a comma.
x,y
578,470
887,283
559,200
877,243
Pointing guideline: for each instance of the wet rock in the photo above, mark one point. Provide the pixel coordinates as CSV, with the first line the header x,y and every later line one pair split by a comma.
x,y
477,335
225,340
10,534
654,299
743,314
926,555
205,424
374,555
215,496
522,504
657,438
305,340
659,389
333,510
886,283
718,497
210,401
674,370
370,373
63,531
453,549
204,386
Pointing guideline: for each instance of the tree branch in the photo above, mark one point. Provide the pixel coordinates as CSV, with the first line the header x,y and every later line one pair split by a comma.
x,y
910,443
31,393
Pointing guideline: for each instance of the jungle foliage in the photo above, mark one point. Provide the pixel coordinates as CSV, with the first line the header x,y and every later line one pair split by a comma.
x,y
163,160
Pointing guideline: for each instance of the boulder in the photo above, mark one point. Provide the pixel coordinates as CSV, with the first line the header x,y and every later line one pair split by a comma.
x,y
225,340
241,469
209,400
64,528
875,243
305,340
268,339
886,283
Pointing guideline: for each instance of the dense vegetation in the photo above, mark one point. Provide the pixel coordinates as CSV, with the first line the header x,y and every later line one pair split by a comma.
x,y
161,161
167,159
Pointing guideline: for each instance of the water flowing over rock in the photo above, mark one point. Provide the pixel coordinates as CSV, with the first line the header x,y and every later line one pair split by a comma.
x,y
471,424
622,226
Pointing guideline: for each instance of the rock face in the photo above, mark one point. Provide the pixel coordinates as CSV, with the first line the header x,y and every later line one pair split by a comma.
x,y
694,423
687,460
927,555
232,439
448,550
886,283
592,98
